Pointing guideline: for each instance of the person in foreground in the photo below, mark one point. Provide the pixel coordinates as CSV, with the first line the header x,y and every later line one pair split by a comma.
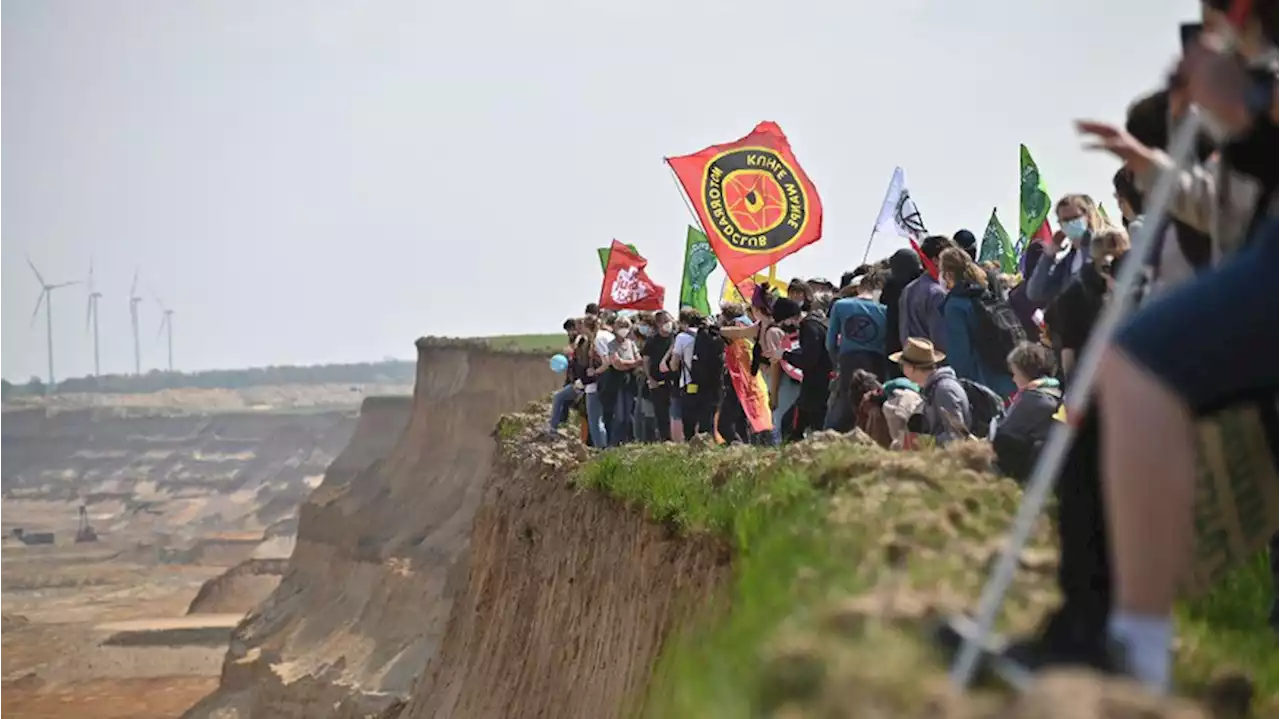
x,y
1152,389
945,413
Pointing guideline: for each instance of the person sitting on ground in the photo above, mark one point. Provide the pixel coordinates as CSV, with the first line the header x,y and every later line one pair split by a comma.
x,y
1077,309
920,307
1021,433
868,398
966,285
1079,219
855,341
945,414
574,374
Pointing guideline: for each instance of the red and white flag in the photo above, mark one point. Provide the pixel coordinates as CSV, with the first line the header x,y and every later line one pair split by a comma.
x,y
626,285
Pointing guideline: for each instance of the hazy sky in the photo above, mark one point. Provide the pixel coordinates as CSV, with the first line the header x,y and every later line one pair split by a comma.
x,y
321,181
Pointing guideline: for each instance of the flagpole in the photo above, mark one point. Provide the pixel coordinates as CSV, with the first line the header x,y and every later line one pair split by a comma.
x,y
872,237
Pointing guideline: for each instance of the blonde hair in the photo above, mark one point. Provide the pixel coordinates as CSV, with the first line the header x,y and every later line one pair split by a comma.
x,y
1087,207
956,264
1111,241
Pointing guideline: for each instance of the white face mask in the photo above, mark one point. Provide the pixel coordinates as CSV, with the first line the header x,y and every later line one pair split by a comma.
x,y
623,332
665,328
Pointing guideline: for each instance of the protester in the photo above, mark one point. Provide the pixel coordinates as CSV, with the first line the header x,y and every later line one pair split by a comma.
x,y
576,352
1072,315
1151,388
966,285
856,341
623,358
659,382
1079,219
904,267
700,377
811,358
946,414
920,307
799,292
867,396
596,340
1021,433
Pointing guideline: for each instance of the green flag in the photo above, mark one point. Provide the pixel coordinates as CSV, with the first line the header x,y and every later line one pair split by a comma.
x,y
604,256
699,261
1035,202
997,246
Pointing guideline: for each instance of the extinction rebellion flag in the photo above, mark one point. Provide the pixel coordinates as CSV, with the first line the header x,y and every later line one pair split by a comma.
x,y
753,199
626,286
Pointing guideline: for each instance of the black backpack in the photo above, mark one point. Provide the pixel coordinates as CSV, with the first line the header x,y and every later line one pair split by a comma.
x,y
824,358
997,330
708,360
984,406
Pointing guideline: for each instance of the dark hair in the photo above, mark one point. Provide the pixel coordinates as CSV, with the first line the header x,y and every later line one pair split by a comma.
x,y
570,324
1148,122
689,317
1033,360
861,383
799,285
1126,189
592,309
933,245
607,317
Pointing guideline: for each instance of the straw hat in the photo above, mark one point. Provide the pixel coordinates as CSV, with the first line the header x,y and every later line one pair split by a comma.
x,y
919,352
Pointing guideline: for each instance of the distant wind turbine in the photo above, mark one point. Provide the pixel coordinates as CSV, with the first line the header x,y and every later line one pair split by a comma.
x,y
166,323
46,296
134,301
91,315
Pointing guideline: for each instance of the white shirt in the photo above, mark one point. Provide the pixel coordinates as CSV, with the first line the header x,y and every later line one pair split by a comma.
x,y
683,346
604,338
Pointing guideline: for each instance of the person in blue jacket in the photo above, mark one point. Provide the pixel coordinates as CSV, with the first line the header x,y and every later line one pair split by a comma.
x,y
966,283
855,340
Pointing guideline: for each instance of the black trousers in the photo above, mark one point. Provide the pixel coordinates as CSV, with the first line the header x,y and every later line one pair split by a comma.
x,y
732,423
661,396
698,412
1084,569
811,409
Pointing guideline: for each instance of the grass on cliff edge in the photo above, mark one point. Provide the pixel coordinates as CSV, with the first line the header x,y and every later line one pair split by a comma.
x,y
839,550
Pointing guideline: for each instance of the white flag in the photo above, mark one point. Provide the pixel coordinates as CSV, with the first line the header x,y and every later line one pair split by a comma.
x,y
899,215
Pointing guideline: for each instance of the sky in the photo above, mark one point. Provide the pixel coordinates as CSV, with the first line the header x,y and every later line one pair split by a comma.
x,y
325,181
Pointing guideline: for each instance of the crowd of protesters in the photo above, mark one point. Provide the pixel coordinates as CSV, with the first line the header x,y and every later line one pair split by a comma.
x,y
961,350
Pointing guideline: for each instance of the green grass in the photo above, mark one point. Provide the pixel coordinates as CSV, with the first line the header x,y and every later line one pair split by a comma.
x,y
811,530
527,343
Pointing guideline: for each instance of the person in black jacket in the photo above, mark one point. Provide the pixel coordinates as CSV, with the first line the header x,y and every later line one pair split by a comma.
x,y
1021,434
811,358
904,266
1072,315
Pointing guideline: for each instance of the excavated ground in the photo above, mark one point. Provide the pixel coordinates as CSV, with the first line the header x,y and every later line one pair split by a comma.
x,y
380,553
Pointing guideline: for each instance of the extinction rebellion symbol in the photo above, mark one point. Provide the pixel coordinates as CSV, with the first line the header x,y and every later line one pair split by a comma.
x,y
754,199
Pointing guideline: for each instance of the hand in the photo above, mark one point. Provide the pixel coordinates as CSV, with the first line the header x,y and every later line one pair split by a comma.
x,y
1118,142
1054,245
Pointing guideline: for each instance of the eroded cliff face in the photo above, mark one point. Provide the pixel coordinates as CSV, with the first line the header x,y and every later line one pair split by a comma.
x,y
367,592
569,598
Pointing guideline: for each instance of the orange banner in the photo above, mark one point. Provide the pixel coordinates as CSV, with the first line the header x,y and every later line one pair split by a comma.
x,y
755,202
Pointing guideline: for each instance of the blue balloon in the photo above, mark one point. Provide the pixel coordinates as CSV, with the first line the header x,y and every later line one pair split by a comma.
x,y
559,363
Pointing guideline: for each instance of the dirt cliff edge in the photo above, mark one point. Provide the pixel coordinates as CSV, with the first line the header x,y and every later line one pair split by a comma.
x,y
363,603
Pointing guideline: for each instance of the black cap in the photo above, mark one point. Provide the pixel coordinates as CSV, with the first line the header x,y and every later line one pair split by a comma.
x,y
784,309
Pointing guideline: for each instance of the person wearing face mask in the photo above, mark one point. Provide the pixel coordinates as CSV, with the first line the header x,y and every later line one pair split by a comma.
x,y
624,357
812,358
1197,349
1073,314
659,382
1079,218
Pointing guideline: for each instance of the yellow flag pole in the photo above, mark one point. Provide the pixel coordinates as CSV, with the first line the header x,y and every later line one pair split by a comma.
x,y
773,273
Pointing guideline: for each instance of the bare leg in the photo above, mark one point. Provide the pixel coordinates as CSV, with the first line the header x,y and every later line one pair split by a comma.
x,y
1148,472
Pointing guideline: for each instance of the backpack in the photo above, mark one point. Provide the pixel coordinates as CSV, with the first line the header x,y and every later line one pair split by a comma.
x,y
984,406
997,331
825,366
708,359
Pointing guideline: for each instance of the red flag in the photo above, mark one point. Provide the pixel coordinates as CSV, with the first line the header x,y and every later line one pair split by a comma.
x,y
626,286
755,202
1045,233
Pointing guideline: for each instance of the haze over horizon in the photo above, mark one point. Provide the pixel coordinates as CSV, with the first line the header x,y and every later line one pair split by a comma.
x,y
323,181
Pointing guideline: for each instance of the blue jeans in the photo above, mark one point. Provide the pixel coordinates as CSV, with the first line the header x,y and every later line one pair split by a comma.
x,y
595,421
561,401
623,407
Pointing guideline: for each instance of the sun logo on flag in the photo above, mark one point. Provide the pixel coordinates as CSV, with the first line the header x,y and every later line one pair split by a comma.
x,y
755,199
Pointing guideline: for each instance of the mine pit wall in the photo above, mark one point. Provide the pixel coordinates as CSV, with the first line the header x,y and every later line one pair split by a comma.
x,y
367,592
569,598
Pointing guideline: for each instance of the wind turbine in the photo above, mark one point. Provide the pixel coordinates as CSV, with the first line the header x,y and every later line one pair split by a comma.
x,y
46,296
91,314
134,301
166,323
